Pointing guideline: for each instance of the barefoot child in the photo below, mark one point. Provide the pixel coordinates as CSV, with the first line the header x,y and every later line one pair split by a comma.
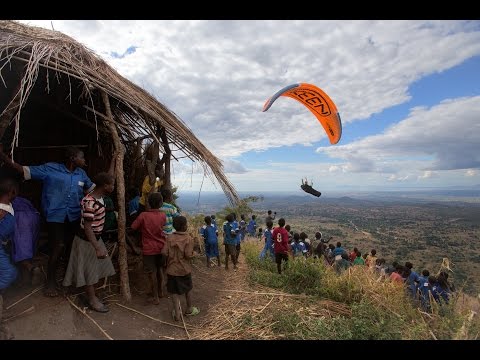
x,y
150,223
179,250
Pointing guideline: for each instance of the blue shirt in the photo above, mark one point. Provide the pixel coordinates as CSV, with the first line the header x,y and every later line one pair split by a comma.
x,y
7,228
62,190
133,205
252,227
236,227
209,233
228,233
8,271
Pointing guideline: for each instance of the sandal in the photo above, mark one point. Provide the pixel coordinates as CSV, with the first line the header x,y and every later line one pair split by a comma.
x,y
101,309
195,311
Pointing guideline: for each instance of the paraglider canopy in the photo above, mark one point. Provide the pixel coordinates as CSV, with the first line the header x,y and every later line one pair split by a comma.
x,y
318,102
308,188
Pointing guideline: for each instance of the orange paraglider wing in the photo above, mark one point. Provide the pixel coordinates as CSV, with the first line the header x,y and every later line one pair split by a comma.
x,y
319,104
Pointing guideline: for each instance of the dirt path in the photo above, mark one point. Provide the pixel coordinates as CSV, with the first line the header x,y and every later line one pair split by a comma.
x,y
57,319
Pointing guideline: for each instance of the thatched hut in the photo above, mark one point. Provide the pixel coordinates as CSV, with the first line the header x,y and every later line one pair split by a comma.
x,y
56,92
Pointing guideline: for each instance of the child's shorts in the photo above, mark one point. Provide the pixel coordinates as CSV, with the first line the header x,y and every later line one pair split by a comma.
x,y
151,263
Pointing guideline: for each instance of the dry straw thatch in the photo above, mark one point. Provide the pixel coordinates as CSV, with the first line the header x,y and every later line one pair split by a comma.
x,y
50,57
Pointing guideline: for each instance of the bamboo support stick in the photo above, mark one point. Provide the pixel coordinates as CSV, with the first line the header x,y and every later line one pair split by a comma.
x,y
150,317
122,251
30,309
264,293
26,296
90,318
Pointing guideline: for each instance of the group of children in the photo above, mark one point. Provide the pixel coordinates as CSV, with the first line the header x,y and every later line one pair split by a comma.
x,y
280,243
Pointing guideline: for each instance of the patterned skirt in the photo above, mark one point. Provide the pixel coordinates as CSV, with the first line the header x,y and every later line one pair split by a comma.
x,y
83,267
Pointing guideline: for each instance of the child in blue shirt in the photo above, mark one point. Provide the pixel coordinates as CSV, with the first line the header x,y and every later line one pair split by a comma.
x,y
268,248
8,271
210,236
252,226
229,236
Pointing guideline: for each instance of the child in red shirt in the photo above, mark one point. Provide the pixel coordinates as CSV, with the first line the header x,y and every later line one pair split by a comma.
x,y
150,223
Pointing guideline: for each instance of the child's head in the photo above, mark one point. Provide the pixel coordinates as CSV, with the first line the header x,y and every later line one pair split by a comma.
x,y
253,217
208,220
344,255
106,181
234,216
155,200
339,244
180,223
281,222
318,235
269,224
373,252
287,227
212,217
426,273
355,249
409,265
331,246
359,253
260,230
296,237
8,188
303,235
242,217
269,212
381,261
229,217
167,195
365,255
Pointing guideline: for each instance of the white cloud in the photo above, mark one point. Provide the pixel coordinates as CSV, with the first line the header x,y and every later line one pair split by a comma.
x,y
428,175
444,137
216,75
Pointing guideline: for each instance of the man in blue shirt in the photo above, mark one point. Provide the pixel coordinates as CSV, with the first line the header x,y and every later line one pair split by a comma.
x,y
64,186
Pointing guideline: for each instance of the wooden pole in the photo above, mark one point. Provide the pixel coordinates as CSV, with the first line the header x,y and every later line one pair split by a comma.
x,y
120,179
166,156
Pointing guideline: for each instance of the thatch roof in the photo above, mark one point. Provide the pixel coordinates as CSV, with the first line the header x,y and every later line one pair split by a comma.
x,y
46,61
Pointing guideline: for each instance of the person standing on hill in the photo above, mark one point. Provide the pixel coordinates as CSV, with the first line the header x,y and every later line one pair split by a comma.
x,y
270,217
64,186
280,241
268,236
210,237
229,236
252,226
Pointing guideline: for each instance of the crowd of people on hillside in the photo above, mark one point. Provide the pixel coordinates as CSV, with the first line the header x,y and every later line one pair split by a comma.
x,y
282,244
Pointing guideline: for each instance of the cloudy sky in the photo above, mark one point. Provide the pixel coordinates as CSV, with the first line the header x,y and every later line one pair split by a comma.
x,y
408,93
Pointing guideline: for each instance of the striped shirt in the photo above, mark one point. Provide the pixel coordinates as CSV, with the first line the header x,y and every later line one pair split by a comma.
x,y
93,210
170,211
